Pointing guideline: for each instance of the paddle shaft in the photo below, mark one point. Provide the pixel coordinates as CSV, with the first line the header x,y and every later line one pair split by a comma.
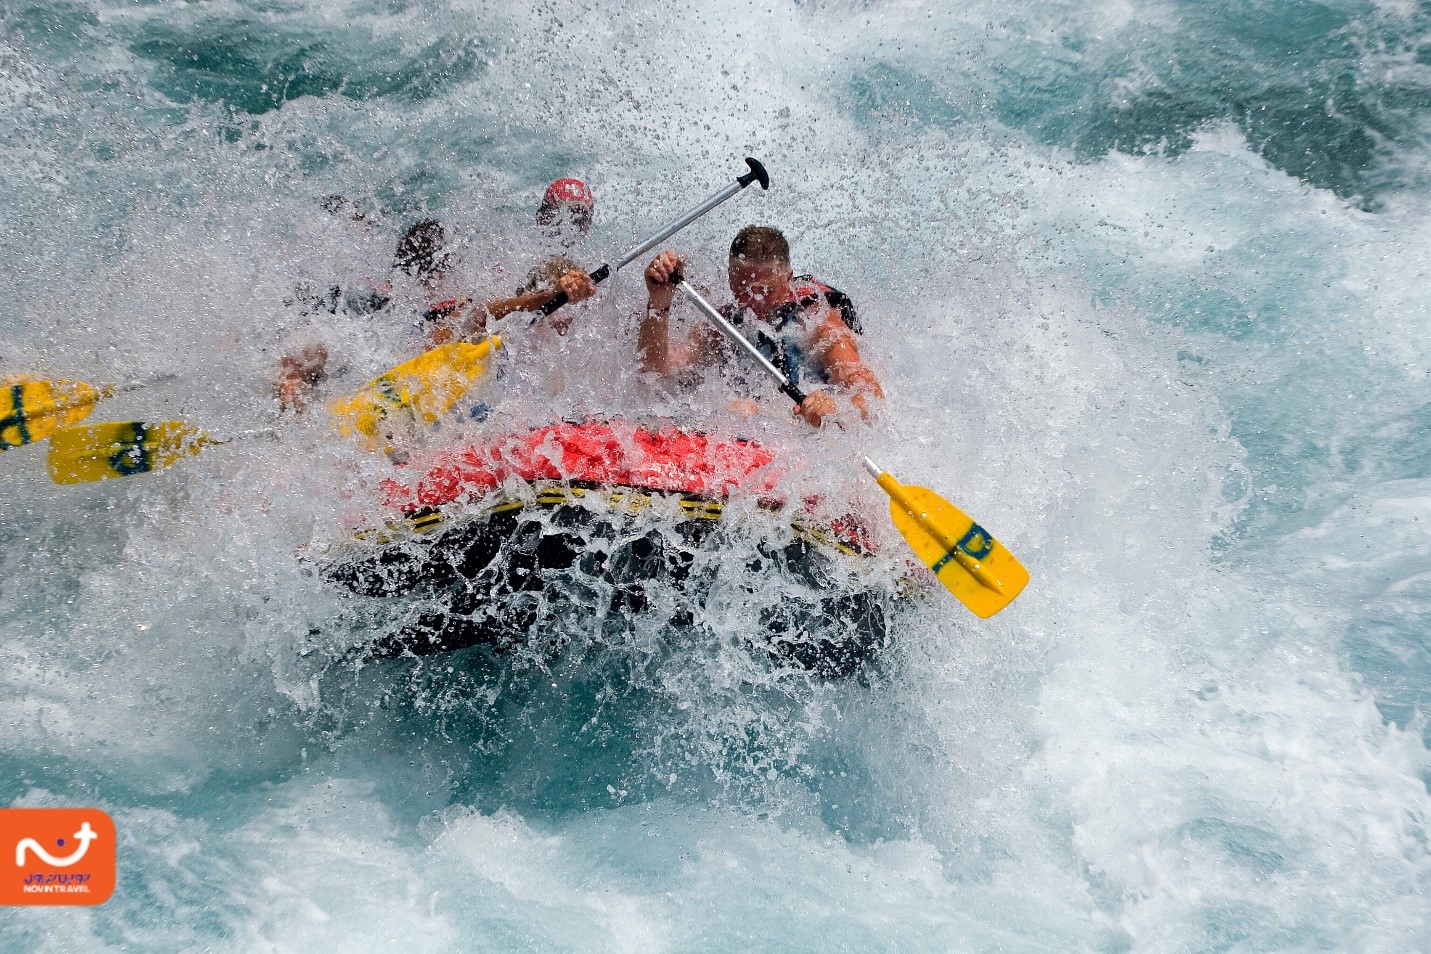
x,y
227,438
757,173
787,387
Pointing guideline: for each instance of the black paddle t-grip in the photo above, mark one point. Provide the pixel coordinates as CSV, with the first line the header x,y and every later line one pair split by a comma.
x,y
757,173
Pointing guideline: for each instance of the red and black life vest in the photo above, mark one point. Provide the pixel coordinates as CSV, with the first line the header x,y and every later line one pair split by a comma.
x,y
778,344
444,309
807,290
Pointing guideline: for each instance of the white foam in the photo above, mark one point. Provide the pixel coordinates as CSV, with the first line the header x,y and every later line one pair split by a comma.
x,y
1160,744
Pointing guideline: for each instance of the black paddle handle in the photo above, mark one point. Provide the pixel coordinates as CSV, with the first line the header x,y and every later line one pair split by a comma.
x,y
757,173
559,299
793,393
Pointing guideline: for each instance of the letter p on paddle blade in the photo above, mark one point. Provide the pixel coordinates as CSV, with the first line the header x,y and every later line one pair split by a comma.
x,y
963,556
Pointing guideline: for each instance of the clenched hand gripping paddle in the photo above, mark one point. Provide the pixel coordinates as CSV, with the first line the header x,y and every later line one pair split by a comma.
x,y
757,173
963,556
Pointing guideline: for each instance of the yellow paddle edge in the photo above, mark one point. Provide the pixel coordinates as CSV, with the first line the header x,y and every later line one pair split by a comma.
x,y
31,410
963,556
417,392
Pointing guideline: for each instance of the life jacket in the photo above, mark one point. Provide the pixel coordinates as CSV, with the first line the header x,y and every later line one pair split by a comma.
x,y
368,297
806,290
778,340
311,301
444,309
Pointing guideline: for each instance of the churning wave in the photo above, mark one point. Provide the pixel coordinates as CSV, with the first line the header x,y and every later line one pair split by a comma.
x,y
1146,288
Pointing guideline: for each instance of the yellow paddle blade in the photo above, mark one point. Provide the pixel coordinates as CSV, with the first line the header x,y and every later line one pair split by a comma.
x,y
31,410
963,555
418,391
121,448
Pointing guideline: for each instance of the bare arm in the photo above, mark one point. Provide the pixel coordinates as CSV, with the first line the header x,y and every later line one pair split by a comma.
x,y
839,355
499,308
470,318
654,345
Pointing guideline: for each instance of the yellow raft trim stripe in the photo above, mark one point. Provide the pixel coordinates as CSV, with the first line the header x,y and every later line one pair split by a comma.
x,y
627,500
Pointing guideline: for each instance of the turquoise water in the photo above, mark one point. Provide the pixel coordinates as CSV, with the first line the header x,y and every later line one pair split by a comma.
x,y
1146,284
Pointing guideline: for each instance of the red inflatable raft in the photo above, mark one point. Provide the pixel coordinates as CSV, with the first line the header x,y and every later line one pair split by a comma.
x,y
482,526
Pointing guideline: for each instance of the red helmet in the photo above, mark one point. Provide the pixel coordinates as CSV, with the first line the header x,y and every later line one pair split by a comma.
x,y
569,190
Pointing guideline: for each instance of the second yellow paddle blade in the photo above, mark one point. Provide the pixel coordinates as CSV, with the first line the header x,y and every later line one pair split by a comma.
x,y
119,449
963,555
31,410
421,390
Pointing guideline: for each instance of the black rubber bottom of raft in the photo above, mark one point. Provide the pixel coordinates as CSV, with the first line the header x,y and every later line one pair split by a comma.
x,y
478,569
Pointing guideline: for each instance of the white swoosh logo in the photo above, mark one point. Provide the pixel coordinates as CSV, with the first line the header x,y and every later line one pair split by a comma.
x,y
85,835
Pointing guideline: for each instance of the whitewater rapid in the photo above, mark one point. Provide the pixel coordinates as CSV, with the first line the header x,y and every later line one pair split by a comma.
x,y
1146,287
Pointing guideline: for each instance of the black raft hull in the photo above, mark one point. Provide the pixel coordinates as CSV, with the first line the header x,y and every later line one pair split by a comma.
x,y
482,576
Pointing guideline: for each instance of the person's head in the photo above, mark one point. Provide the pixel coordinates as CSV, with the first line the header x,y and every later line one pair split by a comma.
x,y
566,210
419,252
760,269
546,274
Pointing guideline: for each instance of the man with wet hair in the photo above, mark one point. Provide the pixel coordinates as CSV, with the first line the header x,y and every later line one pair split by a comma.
x,y
420,251
806,328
